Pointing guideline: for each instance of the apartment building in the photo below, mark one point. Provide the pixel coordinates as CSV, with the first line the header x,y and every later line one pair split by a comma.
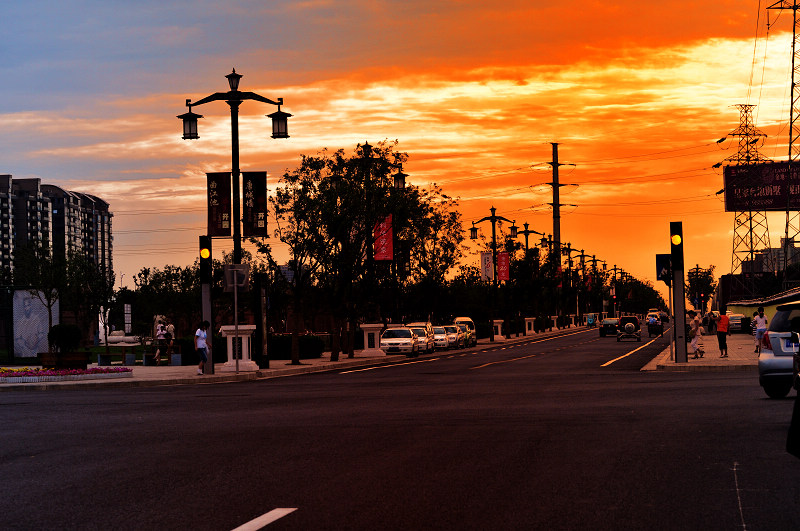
x,y
36,214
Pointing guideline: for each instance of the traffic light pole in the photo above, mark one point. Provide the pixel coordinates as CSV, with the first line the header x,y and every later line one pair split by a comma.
x,y
205,294
679,291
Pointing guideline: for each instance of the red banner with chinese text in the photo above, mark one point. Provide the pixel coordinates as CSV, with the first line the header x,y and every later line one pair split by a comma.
x,y
503,267
219,204
383,236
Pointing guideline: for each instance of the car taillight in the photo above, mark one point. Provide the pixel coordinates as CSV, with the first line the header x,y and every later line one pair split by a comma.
x,y
765,342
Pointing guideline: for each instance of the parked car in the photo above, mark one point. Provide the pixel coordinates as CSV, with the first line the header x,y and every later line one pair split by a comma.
x,y
426,341
778,360
737,323
455,336
608,327
469,328
400,341
469,335
629,328
422,324
440,337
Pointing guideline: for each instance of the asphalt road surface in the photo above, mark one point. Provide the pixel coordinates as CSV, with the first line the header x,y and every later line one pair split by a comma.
x,y
549,434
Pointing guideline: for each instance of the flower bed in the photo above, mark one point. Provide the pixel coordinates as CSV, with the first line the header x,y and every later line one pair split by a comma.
x,y
28,375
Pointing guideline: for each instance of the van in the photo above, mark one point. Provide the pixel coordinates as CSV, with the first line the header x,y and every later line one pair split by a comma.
x,y
470,326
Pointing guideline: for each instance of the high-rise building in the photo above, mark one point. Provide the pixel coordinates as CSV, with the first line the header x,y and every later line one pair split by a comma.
x,y
36,214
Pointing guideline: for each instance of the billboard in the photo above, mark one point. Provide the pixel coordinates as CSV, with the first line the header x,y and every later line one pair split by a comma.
x,y
31,324
762,187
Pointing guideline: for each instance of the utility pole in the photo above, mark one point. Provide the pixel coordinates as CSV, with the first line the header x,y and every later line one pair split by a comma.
x,y
792,229
556,201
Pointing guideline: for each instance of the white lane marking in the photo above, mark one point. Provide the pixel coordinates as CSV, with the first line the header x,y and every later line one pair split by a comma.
x,y
387,366
502,361
265,519
738,493
606,364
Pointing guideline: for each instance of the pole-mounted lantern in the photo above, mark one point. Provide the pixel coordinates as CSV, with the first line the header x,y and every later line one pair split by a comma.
x,y
233,80
513,229
190,123
400,180
473,232
280,125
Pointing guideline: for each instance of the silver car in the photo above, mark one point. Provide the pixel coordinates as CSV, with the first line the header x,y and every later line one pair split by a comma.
x,y
776,363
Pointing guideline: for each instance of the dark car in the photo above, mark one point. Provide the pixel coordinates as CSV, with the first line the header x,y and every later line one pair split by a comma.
x,y
608,327
629,328
777,362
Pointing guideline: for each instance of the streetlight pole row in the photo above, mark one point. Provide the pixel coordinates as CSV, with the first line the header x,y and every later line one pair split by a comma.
x,y
473,234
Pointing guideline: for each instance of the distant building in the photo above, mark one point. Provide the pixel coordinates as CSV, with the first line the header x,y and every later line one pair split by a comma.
x,y
36,214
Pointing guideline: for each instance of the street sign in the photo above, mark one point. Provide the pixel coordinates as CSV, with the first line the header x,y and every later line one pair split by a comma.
x,y
664,268
237,276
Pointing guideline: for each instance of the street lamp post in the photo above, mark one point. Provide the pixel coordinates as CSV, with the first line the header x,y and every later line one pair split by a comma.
x,y
473,234
234,98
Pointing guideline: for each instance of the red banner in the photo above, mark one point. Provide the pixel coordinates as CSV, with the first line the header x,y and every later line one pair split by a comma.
x,y
219,204
383,236
254,218
503,267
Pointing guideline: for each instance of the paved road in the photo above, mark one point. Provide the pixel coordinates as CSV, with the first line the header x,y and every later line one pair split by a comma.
x,y
545,435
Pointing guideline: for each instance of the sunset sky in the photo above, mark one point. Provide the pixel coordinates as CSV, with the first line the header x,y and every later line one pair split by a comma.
x,y
636,94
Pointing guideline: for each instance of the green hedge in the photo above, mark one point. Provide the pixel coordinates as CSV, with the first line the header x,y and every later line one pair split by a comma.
x,y
279,346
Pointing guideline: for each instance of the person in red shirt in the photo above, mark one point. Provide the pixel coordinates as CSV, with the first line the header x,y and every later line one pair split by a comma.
x,y
723,331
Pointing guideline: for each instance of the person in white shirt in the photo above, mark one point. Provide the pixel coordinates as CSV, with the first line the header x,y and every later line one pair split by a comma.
x,y
761,327
201,345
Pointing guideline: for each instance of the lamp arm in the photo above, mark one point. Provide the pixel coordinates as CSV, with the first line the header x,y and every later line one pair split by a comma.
x,y
218,96
257,97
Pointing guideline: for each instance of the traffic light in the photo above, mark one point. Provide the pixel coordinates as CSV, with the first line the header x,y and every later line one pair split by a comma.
x,y
205,260
676,243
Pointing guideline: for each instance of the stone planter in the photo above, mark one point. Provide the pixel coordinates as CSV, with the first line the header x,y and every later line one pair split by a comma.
x,y
64,360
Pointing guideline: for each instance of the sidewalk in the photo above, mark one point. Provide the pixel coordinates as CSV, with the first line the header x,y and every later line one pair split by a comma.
x,y
740,352
740,356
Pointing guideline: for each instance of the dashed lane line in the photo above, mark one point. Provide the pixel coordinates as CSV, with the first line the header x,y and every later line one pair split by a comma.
x,y
387,366
265,519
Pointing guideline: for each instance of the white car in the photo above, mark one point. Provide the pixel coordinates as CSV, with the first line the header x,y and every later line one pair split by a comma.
x,y
400,341
426,341
455,336
441,337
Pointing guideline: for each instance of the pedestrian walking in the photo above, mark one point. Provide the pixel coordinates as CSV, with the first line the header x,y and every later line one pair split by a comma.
x,y
201,345
695,328
161,332
761,322
723,331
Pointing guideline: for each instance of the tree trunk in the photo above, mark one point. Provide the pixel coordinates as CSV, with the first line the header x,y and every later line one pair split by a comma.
x,y
336,339
298,325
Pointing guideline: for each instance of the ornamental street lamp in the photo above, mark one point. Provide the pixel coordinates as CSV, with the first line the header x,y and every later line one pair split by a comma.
x,y
473,234
527,232
234,98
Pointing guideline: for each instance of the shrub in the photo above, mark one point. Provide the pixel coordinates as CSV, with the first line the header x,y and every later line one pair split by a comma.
x,y
64,337
279,346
